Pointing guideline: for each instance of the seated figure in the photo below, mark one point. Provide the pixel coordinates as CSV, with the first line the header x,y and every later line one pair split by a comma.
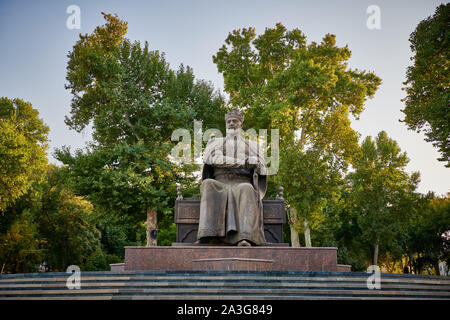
x,y
234,183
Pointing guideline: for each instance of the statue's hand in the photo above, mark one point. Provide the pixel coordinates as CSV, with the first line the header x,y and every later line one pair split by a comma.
x,y
254,163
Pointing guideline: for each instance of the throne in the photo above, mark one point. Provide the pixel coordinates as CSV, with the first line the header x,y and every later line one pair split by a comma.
x,y
187,212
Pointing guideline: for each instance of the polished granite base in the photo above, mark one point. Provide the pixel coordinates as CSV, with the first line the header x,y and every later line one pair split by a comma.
x,y
273,258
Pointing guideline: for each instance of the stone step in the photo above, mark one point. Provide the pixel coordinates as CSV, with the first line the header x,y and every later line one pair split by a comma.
x,y
271,291
302,274
234,284
59,292
89,297
218,297
231,277
235,296
222,290
221,285
60,279
258,297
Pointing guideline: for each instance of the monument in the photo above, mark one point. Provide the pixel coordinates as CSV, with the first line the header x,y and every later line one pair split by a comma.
x,y
231,227
234,183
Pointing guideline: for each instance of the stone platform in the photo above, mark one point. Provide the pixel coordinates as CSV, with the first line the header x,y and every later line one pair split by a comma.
x,y
223,285
231,258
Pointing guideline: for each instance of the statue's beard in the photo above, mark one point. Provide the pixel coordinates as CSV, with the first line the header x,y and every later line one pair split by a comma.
x,y
232,132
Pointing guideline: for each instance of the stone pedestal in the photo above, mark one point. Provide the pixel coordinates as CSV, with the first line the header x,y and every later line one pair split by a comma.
x,y
231,258
233,264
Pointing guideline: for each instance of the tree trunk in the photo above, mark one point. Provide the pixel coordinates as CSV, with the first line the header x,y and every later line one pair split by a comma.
x,y
375,254
307,234
412,268
391,267
295,240
152,227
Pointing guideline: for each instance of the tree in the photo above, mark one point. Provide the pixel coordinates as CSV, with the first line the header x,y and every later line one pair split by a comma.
x,y
308,182
380,186
65,223
50,224
341,229
428,81
304,90
20,246
134,102
129,93
23,144
428,241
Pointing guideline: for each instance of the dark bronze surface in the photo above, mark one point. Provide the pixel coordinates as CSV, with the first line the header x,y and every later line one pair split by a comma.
x,y
187,212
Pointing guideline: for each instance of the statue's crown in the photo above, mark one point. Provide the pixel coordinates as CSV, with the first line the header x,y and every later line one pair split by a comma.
x,y
235,113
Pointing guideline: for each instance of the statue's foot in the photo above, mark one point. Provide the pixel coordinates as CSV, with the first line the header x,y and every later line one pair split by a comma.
x,y
244,243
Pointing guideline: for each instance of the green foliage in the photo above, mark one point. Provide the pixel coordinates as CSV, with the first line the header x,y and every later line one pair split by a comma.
x,y
114,234
134,101
86,211
340,229
65,222
20,248
286,84
428,239
100,261
309,182
307,92
130,93
124,180
428,80
382,192
167,229
23,143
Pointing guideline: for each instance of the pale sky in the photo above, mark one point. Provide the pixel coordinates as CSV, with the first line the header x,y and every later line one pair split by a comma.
x,y
35,42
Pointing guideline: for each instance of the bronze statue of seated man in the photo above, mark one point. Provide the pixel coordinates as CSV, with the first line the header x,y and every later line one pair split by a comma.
x,y
234,183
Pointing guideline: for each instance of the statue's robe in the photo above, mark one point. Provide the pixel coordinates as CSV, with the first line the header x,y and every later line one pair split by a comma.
x,y
230,205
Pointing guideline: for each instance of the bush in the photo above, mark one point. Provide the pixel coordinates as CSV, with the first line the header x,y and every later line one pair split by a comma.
x,y
100,261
